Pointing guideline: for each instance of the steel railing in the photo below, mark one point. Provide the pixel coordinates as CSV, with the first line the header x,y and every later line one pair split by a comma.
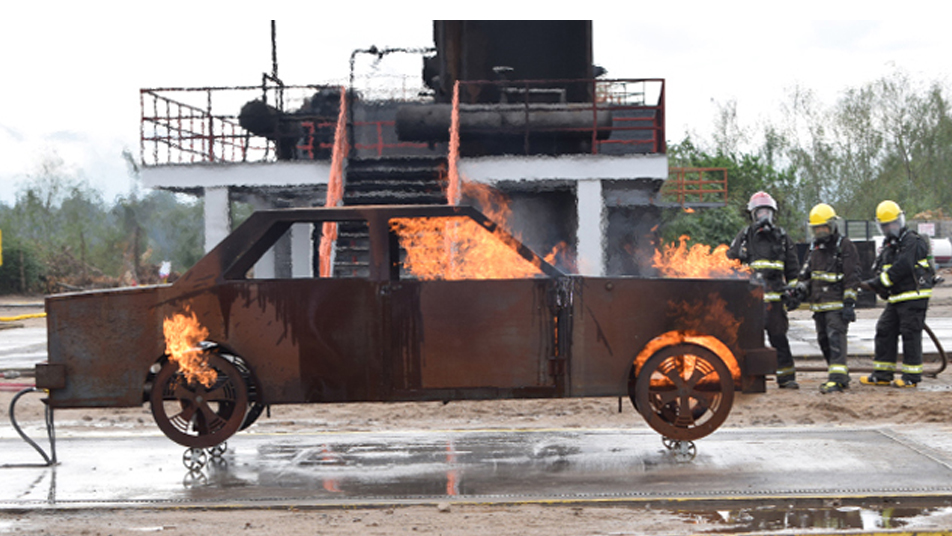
x,y
626,115
688,186
187,125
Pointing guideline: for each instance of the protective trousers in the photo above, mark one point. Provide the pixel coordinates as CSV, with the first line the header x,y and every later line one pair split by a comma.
x,y
831,335
777,325
903,319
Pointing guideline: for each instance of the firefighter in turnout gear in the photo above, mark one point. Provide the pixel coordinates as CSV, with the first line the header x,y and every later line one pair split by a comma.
x,y
904,278
828,280
766,248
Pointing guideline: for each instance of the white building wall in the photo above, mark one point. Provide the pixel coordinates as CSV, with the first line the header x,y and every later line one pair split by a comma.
x,y
587,170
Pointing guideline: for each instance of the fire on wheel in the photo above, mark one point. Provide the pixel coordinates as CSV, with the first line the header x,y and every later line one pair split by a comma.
x,y
211,351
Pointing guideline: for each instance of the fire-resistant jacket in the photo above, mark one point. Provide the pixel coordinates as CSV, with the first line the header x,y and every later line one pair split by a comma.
x,y
831,273
769,252
903,267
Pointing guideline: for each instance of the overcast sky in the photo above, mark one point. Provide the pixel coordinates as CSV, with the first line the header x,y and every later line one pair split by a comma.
x,y
71,75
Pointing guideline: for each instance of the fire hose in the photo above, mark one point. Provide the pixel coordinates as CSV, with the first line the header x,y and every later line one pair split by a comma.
x,y
21,317
50,431
930,373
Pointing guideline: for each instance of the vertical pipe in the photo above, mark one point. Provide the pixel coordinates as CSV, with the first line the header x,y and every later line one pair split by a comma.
x,y
211,128
141,127
274,50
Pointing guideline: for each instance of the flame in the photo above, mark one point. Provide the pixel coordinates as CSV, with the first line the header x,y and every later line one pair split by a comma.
x,y
706,322
698,261
562,257
183,333
708,315
459,248
453,188
688,210
687,362
335,187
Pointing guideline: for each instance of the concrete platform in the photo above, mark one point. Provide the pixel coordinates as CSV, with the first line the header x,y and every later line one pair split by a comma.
x,y
334,469
21,348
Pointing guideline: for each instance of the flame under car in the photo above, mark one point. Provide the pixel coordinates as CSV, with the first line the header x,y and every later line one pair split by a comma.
x,y
677,347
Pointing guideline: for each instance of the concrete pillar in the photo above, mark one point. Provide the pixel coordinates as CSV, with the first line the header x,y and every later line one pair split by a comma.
x,y
265,267
591,226
302,250
217,216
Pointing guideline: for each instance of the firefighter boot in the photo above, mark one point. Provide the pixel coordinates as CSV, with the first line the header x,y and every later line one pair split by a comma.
x,y
902,384
787,382
873,379
832,387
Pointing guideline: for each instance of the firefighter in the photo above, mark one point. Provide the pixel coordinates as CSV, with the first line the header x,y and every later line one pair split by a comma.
x,y
828,280
904,278
765,247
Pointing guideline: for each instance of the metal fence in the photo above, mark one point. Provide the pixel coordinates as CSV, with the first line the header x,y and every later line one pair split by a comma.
x,y
617,116
695,187
195,125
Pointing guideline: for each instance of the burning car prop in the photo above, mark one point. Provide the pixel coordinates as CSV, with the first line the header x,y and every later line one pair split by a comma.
x,y
421,321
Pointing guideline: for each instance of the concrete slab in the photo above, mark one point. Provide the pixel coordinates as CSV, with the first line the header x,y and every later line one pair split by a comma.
x,y
22,347
860,338
486,466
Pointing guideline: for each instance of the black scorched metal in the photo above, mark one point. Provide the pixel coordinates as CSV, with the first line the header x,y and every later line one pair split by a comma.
x,y
389,338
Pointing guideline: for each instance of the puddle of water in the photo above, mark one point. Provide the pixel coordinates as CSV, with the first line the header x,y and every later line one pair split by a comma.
x,y
773,518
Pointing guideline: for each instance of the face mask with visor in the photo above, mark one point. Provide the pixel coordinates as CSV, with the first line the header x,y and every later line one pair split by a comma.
x,y
891,229
763,215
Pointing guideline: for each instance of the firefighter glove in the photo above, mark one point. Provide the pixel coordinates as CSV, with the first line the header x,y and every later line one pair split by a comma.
x,y
876,286
794,295
848,312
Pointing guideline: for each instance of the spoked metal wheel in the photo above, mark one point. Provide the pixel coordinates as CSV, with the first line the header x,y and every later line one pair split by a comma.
x,y
194,415
684,391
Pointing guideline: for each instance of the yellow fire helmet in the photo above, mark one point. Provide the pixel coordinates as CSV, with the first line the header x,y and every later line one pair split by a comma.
x,y
822,214
888,211
890,218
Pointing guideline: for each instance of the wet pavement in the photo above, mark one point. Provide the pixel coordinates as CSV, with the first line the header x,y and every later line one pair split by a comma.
x,y
802,335
21,348
262,470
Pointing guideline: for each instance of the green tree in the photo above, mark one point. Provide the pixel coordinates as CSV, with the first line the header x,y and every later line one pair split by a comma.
x,y
746,174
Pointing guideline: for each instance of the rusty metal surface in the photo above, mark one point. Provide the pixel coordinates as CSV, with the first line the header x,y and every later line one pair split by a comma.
x,y
613,319
383,338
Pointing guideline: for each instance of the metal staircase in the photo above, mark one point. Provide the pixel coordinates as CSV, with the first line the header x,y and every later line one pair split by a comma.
x,y
383,181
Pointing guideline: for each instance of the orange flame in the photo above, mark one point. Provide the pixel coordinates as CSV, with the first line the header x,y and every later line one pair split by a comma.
x,y
335,186
183,333
672,338
706,322
453,188
561,256
459,248
698,261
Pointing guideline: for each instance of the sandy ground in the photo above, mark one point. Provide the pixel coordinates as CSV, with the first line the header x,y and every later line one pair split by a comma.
x,y
860,406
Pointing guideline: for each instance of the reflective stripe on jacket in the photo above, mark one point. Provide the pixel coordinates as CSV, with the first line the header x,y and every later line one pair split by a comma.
x,y
832,272
903,267
770,253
